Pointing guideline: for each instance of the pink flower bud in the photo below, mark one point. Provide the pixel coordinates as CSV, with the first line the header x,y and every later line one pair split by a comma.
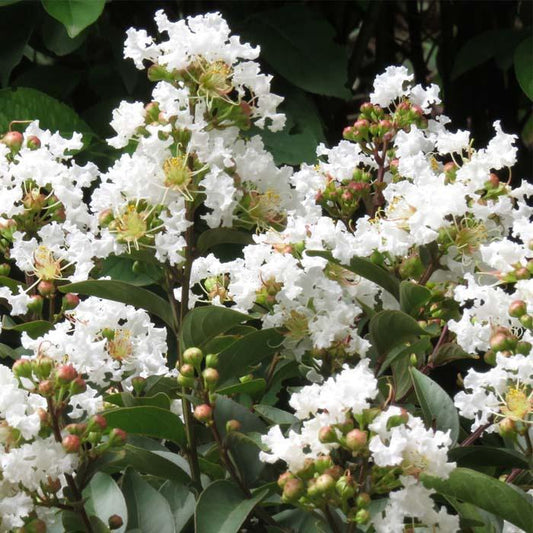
x,y
71,443
203,413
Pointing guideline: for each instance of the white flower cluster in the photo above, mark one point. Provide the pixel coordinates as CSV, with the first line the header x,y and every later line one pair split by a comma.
x,y
317,406
109,342
504,392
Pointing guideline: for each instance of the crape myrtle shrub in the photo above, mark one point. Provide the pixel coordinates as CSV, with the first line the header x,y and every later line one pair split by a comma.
x,y
197,338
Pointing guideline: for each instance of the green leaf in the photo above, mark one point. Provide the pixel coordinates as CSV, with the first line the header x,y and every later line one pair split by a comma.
x,y
148,420
130,271
16,26
249,350
473,456
366,269
119,291
223,507
275,415
289,36
148,510
487,493
182,503
104,499
252,387
398,352
34,329
303,130
24,103
57,40
523,66
412,297
474,519
301,521
8,352
75,15
213,237
437,407
450,351
391,328
204,323
12,284
163,464
126,399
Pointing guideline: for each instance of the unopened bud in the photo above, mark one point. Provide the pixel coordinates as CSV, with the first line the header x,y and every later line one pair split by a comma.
x,y
345,487
46,388
22,368
35,526
356,440
71,443
117,437
211,377
115,522
203,413
36,303
13,139
97,423
526,321
292,490
5,269
363,500
70,301
523,347
46,288
499,341
33,142
193,356
78,386
66,373
211,360
187,370
324,483
327,434
362,516
233,425
507,428
105,218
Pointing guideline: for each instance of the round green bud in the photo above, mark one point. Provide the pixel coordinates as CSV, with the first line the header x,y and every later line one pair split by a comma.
x,y
356,440
211,360
293,489
193,356
203,413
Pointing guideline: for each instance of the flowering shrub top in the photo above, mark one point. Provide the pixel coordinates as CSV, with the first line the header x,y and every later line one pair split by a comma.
x,y
401,251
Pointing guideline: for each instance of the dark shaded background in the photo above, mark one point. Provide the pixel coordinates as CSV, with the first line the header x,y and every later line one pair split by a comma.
x,y
467,47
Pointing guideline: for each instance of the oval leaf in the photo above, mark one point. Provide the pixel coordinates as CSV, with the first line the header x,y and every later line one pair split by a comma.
x,y
202,324
487,493
487,456
213,237
223,507
148,510
412,297
75,15
148,420
523,61
119,291
437,407
391,328
104,499
182,503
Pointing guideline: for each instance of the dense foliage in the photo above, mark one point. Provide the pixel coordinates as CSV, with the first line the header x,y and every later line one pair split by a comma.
x,y
196,337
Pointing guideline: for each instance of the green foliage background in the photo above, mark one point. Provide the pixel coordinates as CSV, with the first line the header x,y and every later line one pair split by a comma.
x,y
62,62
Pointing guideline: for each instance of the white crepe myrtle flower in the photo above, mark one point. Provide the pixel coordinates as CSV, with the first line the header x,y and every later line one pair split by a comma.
x,y
127,118
410,445
503,392
413,502
15,505
390,85
108,342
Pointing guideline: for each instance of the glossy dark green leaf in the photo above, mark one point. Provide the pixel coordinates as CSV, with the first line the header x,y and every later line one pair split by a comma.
x,y
472,456
104,498
523,66
57,40
126,399
148,510
204,323
148,420
158,463
301,521
275,415
289,36
252,387
474,519
16,26
366,269
127,293
34,329
398,352
487,493
437,407
12,284
213,237
130,271
75,15
391,328
24,103
249,350
181,501
412,297
450,351
223,507
303,130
